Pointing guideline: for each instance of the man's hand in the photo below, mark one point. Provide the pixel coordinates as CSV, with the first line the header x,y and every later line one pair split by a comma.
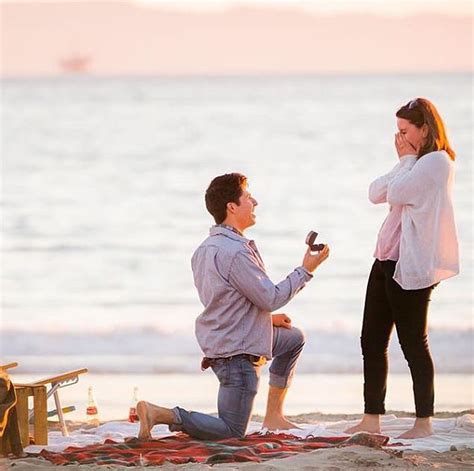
x,y
312,261
281,320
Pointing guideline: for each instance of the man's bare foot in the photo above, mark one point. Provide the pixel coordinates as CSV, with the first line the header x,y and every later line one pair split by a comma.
x,y
277,423
146,422
421,428
370,423
151,415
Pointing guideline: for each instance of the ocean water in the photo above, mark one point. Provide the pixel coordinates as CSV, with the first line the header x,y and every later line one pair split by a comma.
x,y
102,208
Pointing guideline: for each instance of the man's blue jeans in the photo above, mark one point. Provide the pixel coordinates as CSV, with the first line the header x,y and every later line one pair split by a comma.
x,y
239,379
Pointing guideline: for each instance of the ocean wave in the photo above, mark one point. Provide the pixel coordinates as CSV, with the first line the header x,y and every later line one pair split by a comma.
x,y
153,351
152,249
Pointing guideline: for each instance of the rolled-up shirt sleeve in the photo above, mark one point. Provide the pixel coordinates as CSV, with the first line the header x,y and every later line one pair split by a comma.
x,y
252,282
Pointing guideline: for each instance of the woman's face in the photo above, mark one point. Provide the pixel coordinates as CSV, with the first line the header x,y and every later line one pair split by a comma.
x,y
415,136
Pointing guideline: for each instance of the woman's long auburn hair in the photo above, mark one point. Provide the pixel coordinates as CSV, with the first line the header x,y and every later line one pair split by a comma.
x,y
421,111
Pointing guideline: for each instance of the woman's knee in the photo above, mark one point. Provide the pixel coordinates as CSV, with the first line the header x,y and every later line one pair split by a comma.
x,y
372,347
415,348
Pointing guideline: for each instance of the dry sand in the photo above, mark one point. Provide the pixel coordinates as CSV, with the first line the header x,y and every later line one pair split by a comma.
x,y
334,459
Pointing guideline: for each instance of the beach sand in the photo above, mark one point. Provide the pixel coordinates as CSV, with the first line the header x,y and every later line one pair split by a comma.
x,y
330,460
335,459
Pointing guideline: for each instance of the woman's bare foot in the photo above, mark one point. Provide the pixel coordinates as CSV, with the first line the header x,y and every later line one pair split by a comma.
x,y
151,415
370,423
277,423
421,428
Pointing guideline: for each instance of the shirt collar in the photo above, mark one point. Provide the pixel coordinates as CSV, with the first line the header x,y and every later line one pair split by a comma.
x,y
231,228
228,231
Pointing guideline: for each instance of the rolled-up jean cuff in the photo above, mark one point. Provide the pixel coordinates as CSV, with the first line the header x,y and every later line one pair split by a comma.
x,y
177,425
278,381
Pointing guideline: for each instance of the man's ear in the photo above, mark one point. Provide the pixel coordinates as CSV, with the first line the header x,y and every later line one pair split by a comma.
x,y
230,207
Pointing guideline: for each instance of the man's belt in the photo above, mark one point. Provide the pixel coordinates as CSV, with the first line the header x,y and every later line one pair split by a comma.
x,y
254,359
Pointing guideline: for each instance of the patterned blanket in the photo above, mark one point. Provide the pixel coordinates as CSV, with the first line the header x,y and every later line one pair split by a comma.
x,y
180,449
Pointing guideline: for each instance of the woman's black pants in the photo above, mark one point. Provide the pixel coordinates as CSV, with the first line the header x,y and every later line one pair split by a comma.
x,y
386,305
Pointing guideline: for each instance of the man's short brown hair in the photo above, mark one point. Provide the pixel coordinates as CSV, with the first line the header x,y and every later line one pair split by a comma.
x,y
224,189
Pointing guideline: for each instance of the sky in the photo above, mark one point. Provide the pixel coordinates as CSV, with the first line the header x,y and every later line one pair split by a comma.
x,y
392,7
164,37
388,7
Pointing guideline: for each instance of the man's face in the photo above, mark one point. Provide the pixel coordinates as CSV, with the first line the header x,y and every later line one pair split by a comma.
x,y
244,212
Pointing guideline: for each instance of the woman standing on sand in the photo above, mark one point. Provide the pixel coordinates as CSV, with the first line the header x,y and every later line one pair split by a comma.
x,y
416,248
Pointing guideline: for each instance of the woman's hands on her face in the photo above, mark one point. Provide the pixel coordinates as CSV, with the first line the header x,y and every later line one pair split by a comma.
x,y
403,146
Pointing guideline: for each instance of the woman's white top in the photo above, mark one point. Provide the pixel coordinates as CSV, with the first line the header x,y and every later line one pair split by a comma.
x,y
428,246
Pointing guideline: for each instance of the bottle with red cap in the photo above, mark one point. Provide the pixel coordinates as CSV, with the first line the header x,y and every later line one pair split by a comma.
x,y
132,412
92,410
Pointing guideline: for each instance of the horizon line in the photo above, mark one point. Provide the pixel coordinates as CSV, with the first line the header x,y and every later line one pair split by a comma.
x,y
242,75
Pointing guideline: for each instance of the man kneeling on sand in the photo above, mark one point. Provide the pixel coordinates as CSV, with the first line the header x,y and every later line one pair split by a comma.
x,y
236,330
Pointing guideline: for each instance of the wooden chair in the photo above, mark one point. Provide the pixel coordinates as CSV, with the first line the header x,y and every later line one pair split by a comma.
x,y
41,391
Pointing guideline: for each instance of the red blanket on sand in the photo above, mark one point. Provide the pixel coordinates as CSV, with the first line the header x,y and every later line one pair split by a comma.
x,y
180,449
